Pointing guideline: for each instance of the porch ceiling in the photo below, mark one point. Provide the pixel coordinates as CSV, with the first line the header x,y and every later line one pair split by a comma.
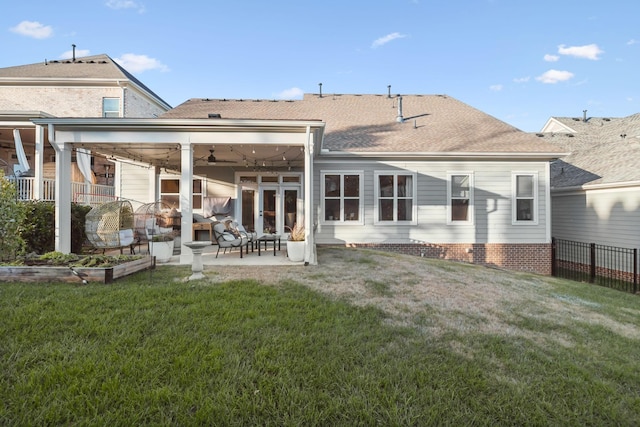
x,y
237,155
259,144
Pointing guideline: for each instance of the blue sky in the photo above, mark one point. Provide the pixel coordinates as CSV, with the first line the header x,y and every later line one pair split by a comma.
x,y
520,61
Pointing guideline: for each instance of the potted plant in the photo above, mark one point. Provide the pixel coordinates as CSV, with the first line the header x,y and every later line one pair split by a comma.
x,y
295,243
161,246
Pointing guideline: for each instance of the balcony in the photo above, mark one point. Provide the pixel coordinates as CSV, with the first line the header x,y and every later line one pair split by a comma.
x,y
85,194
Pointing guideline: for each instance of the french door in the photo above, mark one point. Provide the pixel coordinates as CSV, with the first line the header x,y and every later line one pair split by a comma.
x,y
270,208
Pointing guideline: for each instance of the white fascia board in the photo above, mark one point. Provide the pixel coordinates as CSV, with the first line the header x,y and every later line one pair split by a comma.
x,y
239,125
446,155
554,125
583,188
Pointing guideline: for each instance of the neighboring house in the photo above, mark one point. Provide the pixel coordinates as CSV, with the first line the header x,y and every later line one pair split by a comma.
x,y
420,174
92,86
596,188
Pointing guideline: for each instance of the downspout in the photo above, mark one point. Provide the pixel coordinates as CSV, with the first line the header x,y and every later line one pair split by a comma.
x,y
548,202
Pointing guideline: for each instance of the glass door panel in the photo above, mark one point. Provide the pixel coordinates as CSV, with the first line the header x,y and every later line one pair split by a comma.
x,y
290,208
248,209
269,210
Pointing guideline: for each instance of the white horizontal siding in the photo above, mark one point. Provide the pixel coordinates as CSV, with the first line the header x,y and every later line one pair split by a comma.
x,y
135,183
492,205
608,217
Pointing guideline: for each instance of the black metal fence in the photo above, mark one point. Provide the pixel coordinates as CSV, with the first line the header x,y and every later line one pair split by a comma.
x,y
603,265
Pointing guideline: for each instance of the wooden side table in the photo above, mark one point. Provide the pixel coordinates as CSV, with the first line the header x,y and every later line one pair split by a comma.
x,y
202,226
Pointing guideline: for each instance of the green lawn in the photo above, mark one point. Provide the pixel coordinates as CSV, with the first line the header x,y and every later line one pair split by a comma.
x,y
154,350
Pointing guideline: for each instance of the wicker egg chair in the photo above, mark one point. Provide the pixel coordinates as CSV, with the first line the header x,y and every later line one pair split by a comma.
x,y
149,221
110,225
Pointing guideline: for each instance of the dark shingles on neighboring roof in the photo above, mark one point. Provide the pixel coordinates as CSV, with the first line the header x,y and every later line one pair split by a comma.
x,y
602,151
367,123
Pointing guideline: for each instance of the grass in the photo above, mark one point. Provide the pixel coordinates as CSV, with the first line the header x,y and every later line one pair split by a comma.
x,y
154,350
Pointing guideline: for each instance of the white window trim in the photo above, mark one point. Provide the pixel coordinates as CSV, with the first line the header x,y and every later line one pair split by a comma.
x,y
203,186
342,221
471,218
514,198
259,175
376,192
119,112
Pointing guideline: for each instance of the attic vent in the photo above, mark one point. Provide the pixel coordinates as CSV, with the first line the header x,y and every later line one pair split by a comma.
x,y
606,119
214,116
576,119
539,135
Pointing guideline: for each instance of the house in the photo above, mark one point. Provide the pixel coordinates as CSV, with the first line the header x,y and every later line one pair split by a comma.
x,y
596,188
92,86
420,174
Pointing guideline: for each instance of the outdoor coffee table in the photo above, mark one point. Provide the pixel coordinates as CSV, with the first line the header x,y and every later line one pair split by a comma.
x,y
266,238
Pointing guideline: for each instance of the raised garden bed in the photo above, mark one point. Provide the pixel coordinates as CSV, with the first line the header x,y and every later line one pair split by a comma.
x,y
49,273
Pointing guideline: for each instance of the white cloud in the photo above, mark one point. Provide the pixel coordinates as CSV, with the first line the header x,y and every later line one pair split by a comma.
x,y
632,41
555,76
589,51
522,79
33,29
292,93
125,4
495,88
551,58
79,53
386,39
139,63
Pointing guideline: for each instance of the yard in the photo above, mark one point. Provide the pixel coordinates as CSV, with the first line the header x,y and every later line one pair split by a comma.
x,y
363,338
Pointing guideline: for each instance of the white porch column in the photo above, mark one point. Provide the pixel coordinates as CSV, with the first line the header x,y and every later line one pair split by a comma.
x,y
309,253
63,194
186,198
38,164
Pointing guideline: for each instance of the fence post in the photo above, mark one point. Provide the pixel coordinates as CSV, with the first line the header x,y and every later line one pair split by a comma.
x,y
553,256
635,270
592,262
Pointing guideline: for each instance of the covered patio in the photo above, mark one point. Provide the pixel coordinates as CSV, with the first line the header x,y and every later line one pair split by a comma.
x,y
180,145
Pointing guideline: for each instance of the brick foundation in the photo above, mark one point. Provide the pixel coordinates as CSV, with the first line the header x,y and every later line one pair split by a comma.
x,y
534,258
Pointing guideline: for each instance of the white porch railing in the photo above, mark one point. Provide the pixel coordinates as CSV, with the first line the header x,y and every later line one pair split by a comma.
x,y
86,194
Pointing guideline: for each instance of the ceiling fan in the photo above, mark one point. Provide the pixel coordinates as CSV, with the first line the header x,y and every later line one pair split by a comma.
x,y
211,159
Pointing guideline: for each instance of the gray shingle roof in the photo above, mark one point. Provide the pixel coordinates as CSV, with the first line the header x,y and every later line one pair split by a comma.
x,y
603,151
88,67
367,123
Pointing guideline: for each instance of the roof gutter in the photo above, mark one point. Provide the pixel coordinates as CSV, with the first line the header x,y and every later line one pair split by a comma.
x,y
159,123
586,187
446,155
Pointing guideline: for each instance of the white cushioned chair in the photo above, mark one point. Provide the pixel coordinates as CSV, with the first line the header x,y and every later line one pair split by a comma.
x,y
227,240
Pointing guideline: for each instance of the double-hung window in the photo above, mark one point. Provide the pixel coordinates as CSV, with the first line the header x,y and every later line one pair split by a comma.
x,y
170,192
110,107
525,196
395,197
342,197
460,195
